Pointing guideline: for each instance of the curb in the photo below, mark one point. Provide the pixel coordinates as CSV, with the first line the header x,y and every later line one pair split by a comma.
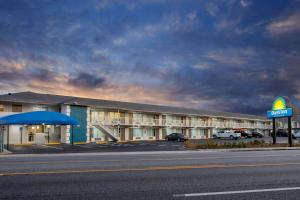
x,y
104,142
53,143
122,142
80,142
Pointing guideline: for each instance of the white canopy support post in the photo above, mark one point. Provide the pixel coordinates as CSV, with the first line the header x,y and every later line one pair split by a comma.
x,y
7,143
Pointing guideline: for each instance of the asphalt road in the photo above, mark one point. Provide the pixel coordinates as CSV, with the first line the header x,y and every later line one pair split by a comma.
x,y
152,175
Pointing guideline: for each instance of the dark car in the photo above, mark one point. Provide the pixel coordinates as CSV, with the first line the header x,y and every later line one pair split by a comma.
x,y
244,134
257,134
176,137
281,133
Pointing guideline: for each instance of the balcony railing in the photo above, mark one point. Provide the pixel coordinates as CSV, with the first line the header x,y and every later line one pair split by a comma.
x,y
128,121
178,123
240,125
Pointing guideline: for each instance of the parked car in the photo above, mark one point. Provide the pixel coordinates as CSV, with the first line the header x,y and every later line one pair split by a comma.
x,y
227,134
245,134
256,134
284,133
281,133
176,137
296,134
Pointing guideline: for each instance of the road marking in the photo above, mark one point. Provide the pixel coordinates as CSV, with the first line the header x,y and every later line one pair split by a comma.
x,y
157,168
236,192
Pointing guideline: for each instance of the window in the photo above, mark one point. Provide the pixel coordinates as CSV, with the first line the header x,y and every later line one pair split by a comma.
x,y
1,108
36,129
137,132
16,108
97,116
40,108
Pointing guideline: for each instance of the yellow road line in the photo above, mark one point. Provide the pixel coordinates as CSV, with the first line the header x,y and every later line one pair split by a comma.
x,y
158,168
146,160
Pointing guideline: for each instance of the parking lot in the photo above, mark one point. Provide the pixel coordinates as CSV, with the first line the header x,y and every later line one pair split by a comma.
x,y
124,147
92,147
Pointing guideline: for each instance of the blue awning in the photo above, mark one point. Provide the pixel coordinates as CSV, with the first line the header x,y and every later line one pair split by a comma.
x,y
38,118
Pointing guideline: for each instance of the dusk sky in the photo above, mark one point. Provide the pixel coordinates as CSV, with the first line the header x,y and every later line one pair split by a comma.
x,y
225,55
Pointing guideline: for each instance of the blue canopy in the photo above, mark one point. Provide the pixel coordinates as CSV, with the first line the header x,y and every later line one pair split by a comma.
x,y
38,118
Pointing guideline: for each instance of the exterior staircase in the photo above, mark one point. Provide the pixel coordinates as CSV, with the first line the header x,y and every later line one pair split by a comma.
x,y
107,131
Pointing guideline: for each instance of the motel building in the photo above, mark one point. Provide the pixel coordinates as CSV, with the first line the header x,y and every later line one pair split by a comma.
x,y
103,120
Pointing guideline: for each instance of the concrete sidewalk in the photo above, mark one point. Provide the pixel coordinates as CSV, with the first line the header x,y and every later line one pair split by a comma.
x,y
150,152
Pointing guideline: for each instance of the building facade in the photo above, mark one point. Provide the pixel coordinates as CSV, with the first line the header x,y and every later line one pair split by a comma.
x,y
102,120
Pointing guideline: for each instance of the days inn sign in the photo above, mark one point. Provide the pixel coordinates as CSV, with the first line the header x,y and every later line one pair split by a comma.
x,y
279,109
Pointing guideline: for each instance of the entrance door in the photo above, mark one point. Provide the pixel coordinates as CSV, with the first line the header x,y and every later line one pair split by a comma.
x,y
40,138
122,134
36,134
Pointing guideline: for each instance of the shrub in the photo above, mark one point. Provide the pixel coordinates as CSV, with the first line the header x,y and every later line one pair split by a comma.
x,y
257,143
211,144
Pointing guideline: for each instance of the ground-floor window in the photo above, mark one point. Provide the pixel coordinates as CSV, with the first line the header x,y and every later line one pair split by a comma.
x,y
137,132
197,132
143,132
97,134
173,130
150,132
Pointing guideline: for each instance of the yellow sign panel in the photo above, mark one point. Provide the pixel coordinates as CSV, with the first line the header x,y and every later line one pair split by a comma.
x,y
279,104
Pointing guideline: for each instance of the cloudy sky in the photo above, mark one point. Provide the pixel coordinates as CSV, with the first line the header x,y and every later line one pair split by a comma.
x,y
228,55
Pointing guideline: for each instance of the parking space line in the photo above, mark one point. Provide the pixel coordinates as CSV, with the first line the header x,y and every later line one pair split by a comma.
x,y
46,146
236,192
85,147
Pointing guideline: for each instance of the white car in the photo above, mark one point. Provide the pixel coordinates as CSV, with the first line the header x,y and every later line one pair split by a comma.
x,y
296,134
227,134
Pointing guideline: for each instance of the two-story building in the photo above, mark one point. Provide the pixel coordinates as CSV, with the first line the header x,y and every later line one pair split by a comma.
x,y
104,120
